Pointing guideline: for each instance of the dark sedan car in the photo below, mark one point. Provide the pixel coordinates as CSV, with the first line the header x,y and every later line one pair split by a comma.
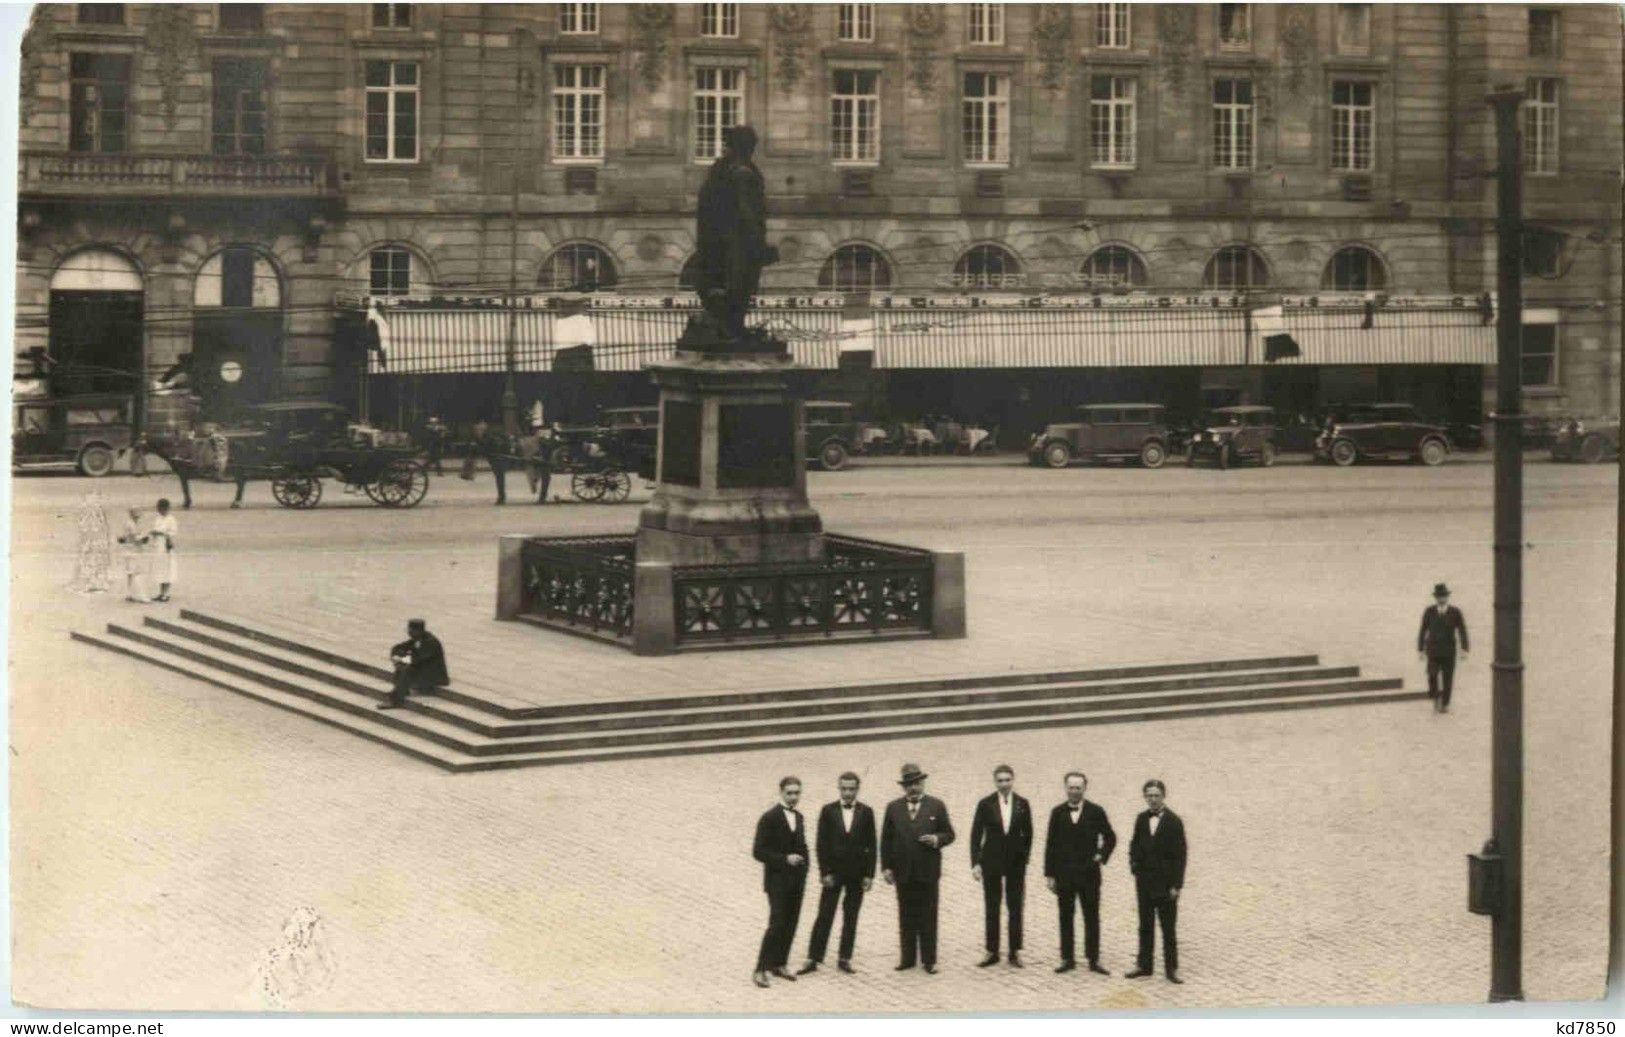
x,y
1587,439
1373,430
1232,434
1126,431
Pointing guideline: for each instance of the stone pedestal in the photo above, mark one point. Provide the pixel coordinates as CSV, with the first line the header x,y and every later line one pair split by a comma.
x,y
731,483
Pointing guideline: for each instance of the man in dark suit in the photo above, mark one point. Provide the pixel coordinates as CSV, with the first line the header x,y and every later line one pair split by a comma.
x,y
846,865
1442,622
420,664
1156,855
781,846
1001,838
1080,843
916,829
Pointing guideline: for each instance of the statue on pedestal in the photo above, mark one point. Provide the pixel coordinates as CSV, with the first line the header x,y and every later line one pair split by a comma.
x,y
732,249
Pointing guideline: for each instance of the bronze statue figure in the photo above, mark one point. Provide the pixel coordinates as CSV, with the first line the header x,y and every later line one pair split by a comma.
x,y
732,249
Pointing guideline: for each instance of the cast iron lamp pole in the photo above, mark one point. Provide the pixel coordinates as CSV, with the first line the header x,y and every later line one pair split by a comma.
x,y
510,389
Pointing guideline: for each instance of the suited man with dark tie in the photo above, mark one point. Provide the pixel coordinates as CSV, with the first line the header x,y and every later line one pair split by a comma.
x,y
1080,843
1001,838
1156,854
1442,623
914,832
781,846
846,867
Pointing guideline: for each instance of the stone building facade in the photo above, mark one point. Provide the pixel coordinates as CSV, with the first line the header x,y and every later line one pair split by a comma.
x,y
235,182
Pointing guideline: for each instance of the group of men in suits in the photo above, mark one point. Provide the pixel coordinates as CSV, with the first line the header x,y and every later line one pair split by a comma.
x,y
912,835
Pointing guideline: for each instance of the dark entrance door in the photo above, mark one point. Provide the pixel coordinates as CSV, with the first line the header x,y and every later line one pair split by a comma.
x,y
95,339
236,359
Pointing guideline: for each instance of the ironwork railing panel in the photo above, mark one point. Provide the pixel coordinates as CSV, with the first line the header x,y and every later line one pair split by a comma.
x,y
579,581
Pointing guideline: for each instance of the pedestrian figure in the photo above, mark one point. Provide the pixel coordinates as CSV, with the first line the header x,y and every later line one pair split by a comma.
x,y
916,829
134,541
1442,622
535,454
161,549
434,442
1156,855
497,447
93,565
420,665
1001,839
846,867
1080,843
781,846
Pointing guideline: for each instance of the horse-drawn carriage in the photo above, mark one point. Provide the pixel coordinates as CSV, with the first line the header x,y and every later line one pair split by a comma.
x,y
295,445
596,459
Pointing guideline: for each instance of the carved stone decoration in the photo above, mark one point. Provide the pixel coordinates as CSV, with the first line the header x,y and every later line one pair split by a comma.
x,y
1176,35
651,29
1053,32
791,23
925,23
37,43
171,40
1297,43
651,247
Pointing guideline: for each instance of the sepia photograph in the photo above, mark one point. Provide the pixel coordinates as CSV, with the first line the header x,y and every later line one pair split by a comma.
x,y
809,509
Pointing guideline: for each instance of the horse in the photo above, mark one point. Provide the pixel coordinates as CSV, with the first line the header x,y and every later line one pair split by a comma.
x,y
192,456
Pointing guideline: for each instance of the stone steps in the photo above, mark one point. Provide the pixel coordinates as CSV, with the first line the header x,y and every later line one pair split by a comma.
x,y
473,728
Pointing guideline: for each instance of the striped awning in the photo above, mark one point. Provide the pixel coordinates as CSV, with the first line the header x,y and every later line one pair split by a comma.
x,y
1435,335
1058,337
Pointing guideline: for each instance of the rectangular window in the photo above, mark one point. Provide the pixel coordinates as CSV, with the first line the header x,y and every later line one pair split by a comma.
x,y
1111,26
1111,121
987,23
239,114
1353,116
391,272
985,107
101,14
1353,28
391,16
1539,355
1540,126
1235,27
855,23
719,102
242,17
392,111
99,93
1545,33
854,117
578,112
578,19
719,20
1233,123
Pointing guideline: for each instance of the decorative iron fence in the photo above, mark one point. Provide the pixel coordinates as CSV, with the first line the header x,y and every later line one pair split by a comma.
x,y
583,582
861,586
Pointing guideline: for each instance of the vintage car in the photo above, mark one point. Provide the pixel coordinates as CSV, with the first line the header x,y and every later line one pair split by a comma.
x,y
1586,439
1232,434
86,433
832,436
1380,430
1103,431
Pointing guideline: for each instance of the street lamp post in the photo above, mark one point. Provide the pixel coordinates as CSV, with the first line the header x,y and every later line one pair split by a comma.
x,y
1506,952
510,388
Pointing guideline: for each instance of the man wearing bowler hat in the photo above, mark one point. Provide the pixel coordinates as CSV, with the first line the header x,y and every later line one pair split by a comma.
x,y
1442,623
911,841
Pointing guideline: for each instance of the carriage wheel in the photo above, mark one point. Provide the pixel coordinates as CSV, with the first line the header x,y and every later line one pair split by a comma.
x,y
617,485
297,491
587,486
401,484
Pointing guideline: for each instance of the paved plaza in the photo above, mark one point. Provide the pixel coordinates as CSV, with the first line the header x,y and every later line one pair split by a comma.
x,y
164,831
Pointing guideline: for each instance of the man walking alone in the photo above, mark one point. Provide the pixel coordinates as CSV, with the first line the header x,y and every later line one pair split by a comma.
x,y
1442,622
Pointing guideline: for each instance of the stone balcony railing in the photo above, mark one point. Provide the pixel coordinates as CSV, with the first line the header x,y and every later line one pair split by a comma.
x,y
192,175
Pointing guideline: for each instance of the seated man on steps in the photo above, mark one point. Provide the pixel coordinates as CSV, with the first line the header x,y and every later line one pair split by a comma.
x,y
420,664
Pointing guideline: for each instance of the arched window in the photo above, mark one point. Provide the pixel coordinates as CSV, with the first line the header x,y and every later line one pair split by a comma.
x,y
578,267
855,268
1236,267
1113,266
1355,268
237,276
96,270
988,266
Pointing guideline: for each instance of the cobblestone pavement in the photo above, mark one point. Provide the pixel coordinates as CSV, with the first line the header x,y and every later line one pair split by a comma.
x,y
164,831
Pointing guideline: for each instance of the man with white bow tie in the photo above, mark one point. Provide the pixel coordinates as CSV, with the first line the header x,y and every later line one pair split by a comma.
x,y
846,867
1080,843
1156,855
781,846
1001,839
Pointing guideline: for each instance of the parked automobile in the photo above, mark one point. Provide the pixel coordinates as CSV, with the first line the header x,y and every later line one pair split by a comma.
x,y
1380,430
86,433
832,435
1233,434
1124,431
1587,439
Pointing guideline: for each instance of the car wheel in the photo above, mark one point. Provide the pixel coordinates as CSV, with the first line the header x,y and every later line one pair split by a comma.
x,y
1152,455
95,461
833,456
1224,456
1057,455
1432,452
1344,453
1591,449
1266,455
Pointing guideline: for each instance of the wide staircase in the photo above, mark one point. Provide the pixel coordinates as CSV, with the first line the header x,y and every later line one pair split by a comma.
x,y
468,727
